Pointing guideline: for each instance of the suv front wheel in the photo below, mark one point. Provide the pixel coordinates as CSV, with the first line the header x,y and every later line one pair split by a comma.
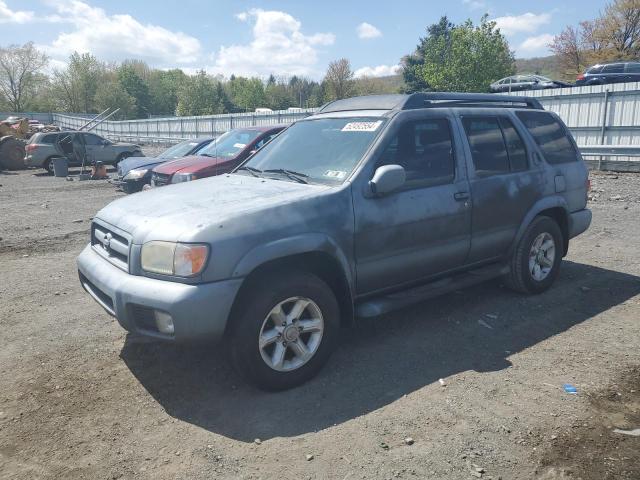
x,y
285,329
535,263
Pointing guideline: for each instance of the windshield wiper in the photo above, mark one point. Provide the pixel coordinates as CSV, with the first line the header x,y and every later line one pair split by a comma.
x,y
206,155
253,171
297,176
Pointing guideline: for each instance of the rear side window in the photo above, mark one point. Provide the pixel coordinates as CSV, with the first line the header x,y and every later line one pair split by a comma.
x,y
488,150
550,135
515,146
613,68
633,67
594,70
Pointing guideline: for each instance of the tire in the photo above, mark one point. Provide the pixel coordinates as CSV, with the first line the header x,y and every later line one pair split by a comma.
x,y
534,266
256,318
12,154
121,157
48,166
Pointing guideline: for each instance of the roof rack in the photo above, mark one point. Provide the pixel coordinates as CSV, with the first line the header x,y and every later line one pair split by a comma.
x,y
430,100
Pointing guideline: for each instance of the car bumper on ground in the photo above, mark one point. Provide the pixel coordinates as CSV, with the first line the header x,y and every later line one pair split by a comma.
x,y
145,305
579,222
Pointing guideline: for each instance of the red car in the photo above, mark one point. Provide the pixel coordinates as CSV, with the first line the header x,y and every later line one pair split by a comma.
x,y
220,156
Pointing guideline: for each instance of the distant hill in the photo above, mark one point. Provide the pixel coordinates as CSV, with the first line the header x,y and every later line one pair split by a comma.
x,y
547,66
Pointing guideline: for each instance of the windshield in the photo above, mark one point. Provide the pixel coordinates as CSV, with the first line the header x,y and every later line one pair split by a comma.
x,y
179,150
324,150
230,144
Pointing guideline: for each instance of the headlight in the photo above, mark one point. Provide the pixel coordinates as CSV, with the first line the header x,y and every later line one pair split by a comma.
x,y
169,258
183,177
136,174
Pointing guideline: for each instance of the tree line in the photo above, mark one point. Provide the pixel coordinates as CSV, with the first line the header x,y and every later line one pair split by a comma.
x,y
88,85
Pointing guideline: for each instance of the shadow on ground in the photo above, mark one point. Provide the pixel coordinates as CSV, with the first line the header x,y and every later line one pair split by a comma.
x,y
378,361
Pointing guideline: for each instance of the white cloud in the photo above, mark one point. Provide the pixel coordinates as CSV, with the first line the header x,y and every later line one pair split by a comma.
x,y
278,46
474,4
378,71
8,15
367,31
527,22
115,37
538,44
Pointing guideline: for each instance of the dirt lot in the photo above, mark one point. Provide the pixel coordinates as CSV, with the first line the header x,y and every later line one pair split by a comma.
x,y
79,398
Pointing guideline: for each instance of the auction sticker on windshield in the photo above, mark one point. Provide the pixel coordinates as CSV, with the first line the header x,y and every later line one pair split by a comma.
x,y
362,126
239,145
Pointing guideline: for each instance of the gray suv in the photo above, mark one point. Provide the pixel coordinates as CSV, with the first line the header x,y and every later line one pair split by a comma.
x,y
370,205
42,148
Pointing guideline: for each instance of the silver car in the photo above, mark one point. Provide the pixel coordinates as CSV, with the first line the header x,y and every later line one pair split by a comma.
x,y
44,147
517,83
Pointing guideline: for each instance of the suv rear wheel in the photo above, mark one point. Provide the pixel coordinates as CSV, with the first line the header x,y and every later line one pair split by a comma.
x,y
48,166
285,330
536,261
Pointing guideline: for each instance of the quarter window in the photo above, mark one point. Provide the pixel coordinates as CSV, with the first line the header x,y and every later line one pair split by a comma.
x,y
424,148
550,135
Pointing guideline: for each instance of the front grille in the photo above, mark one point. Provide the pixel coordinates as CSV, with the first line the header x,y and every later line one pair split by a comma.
x,y
160,179
111,245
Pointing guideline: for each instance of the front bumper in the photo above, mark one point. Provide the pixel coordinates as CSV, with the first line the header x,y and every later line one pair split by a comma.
x,y
199,311
579,222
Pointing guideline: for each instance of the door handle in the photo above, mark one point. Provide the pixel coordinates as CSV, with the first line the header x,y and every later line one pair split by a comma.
x,y
461,196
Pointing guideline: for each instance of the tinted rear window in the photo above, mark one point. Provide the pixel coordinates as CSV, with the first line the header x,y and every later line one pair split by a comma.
x,y
550,135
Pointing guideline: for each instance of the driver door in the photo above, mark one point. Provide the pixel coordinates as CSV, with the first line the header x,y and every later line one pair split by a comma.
x,y
424,228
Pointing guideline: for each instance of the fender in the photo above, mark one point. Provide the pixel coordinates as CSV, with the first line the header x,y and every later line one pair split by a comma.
x,y
541,205
285,247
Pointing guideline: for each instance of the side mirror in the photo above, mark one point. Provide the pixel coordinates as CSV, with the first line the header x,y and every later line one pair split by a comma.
x,y
387,179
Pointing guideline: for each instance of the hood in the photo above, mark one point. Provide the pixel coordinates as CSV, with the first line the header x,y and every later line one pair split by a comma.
x,y
129,163
178,212
190,164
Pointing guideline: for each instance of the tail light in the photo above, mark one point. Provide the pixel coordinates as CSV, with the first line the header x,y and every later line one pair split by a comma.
x,y
580,77
31,148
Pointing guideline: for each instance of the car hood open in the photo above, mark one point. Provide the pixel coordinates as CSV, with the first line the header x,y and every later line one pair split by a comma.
x,y
179,212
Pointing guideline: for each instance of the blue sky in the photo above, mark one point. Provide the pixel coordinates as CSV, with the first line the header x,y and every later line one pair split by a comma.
x,y
284,37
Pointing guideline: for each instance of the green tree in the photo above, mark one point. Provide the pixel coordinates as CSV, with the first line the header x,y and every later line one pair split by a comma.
x,y
75,87
163,90
201,95
135,86
437,33
246,94
111,94
469,60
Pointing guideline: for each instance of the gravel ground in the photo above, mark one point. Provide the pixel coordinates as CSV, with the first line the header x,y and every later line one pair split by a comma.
x,y
79,398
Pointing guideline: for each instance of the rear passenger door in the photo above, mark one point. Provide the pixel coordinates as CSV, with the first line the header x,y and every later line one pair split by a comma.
x,y
503,186
423,229
613,73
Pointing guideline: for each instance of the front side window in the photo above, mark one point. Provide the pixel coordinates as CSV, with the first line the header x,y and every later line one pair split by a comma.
x,y
230,144
324,150
550,135
488,150
424,149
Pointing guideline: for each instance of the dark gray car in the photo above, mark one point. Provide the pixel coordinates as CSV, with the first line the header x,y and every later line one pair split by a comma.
x,y
370,205
518,83
619,72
